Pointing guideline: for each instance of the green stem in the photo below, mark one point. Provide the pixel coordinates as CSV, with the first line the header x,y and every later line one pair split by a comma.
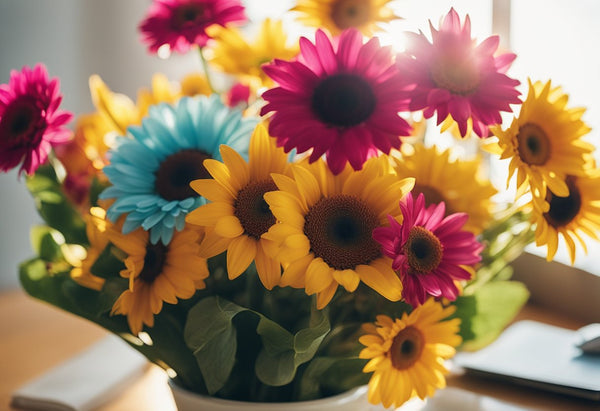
x,y
206,70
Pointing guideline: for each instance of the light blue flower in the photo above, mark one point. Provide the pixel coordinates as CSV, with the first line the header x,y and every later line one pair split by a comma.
x,y
151,168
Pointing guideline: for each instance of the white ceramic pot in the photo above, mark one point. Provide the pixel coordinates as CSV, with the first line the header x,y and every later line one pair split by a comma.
x,y
353,400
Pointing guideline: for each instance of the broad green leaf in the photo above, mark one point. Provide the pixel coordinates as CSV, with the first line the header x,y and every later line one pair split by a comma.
x,y
210,334
108,264
488,311
277,364
331,375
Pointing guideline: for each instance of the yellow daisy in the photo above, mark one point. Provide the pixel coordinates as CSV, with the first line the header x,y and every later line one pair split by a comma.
x,y
324,238
407,355
234,55
157,273
338,15
194,84
237,213
544,143
96,230
569,216
456,182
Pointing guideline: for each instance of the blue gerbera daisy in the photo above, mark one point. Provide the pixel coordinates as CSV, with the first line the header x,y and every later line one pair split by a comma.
x,y
150,169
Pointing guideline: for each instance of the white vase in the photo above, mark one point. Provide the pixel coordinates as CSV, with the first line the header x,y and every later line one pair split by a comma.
x,y
353,400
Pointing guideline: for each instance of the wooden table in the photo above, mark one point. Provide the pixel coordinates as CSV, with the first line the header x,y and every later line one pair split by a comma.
x,y
35,337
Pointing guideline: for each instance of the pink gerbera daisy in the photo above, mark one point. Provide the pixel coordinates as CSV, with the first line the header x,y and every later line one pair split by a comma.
x,y
181,24
339,98
429,250
30,122
456,77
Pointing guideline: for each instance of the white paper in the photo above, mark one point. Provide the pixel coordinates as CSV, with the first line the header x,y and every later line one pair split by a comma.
x,y
86,380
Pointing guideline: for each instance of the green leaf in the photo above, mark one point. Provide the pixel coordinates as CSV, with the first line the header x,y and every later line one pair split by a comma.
x,y
330,375
108,264
54,207
210,334
488,311
47,243
283,353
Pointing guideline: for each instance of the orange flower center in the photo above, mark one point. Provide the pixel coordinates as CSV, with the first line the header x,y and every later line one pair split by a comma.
x,y
457,75
563,210
339,230
533,145
175,173
406,348
350,13
252,210
423,250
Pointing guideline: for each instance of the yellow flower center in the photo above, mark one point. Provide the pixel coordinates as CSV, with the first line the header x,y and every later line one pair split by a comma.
x,y
175,173
339,230
343,100
154,261
252,210
563,210
406,348
457,75
350,13
423,250
533,145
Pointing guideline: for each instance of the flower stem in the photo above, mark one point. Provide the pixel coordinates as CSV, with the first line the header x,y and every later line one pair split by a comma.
x,y
206,70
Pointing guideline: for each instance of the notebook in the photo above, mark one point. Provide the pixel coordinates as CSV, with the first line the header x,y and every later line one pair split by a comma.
x,y
538,355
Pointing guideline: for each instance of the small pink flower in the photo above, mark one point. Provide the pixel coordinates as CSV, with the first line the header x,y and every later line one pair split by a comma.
x,y
30,122
238,94
456,77
340,98
183,23
429,251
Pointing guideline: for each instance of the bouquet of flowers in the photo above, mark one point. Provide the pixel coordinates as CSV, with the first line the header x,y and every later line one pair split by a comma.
x,y
298,233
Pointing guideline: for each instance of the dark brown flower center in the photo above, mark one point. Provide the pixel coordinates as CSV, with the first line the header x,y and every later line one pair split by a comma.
x,y
423,250
457,75
175,173
20,123
406,348
563,210
350,13
154,261
339,230
343,100
252,210
187,15
533,144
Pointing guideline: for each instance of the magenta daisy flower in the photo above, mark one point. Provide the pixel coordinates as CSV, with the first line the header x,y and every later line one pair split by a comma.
x,y
339,98
30,122
182,23
456,77
429,251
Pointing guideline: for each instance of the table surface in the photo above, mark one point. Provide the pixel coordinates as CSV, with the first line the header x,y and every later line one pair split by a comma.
x,y
36,337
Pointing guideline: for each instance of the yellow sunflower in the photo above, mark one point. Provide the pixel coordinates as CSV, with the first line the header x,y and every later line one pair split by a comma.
x,y
234,55
237,213
96,230
157,273
544,143
407,355
324,238
570,216
338,15
456,182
